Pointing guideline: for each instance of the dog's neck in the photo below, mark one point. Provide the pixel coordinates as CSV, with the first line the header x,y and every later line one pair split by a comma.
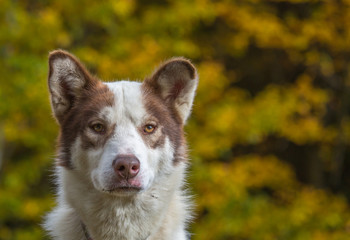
x,y
87,235
113,219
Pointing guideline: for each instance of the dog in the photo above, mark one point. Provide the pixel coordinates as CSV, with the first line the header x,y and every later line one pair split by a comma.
x,y
122,155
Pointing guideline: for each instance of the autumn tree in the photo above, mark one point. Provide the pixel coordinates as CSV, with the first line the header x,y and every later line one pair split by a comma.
x,y
270,128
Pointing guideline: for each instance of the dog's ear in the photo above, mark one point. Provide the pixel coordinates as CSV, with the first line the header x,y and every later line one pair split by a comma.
x,y
67,79
175,82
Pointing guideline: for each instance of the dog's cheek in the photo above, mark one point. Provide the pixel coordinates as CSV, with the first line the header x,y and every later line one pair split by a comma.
x,y
167,155
95,179
160,159
93,158
85,160
101,171
77,154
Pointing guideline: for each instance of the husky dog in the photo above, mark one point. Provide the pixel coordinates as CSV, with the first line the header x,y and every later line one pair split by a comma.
x,y
121,158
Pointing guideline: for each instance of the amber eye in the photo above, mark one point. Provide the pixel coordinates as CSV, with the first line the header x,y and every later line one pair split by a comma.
x,y
149,128
98,127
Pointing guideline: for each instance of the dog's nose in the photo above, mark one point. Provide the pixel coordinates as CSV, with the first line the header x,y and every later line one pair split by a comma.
x,y
126,166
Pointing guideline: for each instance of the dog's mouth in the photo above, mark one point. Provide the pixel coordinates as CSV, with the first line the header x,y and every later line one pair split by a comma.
x,y
123,189
126,189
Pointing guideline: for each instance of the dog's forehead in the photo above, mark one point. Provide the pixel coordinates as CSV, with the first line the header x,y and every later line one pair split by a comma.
x,y
128,100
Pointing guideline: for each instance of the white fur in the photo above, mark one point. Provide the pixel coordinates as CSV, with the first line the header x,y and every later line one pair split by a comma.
x,y
158,211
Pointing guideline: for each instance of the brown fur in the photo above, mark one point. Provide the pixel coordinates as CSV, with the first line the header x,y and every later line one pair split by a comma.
x,y
83,106
78,119
163,107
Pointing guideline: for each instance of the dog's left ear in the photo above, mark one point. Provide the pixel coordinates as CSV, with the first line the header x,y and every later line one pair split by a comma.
x,y
175,81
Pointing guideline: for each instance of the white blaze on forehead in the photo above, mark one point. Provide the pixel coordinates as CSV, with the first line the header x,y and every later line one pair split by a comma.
x,y
128,102
128,114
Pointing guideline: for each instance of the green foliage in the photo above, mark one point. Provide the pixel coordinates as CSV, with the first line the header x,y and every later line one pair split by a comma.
x,y
270,125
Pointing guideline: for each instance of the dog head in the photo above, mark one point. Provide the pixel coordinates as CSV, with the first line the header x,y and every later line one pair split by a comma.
x,y
121,136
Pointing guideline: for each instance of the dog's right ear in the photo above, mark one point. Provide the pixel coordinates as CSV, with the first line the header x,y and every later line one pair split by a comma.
x,y
67,79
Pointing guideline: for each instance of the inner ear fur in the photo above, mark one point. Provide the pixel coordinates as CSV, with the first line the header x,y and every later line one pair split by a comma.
x,y
67,79
175,81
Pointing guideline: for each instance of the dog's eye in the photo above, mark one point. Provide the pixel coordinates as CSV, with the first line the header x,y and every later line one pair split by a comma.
x,y
98,127
149,128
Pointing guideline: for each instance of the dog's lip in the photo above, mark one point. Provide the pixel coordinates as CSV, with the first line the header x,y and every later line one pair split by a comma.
x,y
128,188
123,189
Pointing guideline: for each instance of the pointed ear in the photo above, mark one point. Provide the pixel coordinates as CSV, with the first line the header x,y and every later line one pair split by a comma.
x,y
175,82
67,79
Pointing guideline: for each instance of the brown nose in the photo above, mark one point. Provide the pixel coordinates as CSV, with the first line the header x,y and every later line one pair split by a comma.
x,y
126,166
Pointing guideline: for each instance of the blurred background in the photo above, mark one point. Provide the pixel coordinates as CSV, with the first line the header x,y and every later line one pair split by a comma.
x,y
270,129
